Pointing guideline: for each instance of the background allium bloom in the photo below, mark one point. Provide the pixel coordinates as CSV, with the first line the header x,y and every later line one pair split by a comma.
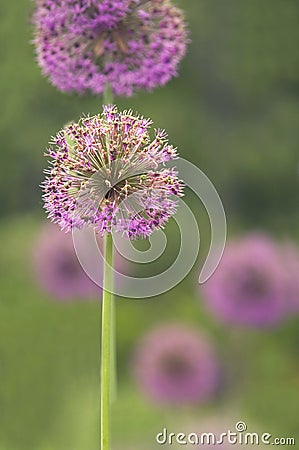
x,y
106,172
57,268
130,44
250,286
175,364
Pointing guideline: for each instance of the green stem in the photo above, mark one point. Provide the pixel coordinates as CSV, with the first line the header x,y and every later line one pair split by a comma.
x,y
107,341
113,350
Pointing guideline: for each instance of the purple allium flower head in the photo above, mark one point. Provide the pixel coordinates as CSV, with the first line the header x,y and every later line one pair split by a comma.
x,y
175,364
57,268
249,287
105,172
128,44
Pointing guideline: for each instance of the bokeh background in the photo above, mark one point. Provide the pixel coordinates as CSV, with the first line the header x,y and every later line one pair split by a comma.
x,y
234,112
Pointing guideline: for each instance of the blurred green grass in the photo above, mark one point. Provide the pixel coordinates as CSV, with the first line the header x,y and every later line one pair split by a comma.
x,y
235,101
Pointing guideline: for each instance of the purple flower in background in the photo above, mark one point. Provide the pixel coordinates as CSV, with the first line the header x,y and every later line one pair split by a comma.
x,y
105,173
250,285
128,44
175,364
290,260
57,268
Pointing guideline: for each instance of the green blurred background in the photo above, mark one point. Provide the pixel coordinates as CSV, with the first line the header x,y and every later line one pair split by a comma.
x,y
234,112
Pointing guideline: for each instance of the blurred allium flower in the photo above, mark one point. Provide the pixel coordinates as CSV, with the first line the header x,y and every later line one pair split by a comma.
x,y
105,172
290,259
130,44
250,286
175,364
57,268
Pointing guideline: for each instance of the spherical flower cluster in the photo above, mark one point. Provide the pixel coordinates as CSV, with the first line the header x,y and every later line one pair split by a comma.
x,y
290,259
105,172
57,269
129,44
175,364
253,285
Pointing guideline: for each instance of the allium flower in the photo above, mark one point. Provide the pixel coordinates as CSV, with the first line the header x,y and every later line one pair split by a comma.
x,y
57,268
175,364
250,285
105,173
129,44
